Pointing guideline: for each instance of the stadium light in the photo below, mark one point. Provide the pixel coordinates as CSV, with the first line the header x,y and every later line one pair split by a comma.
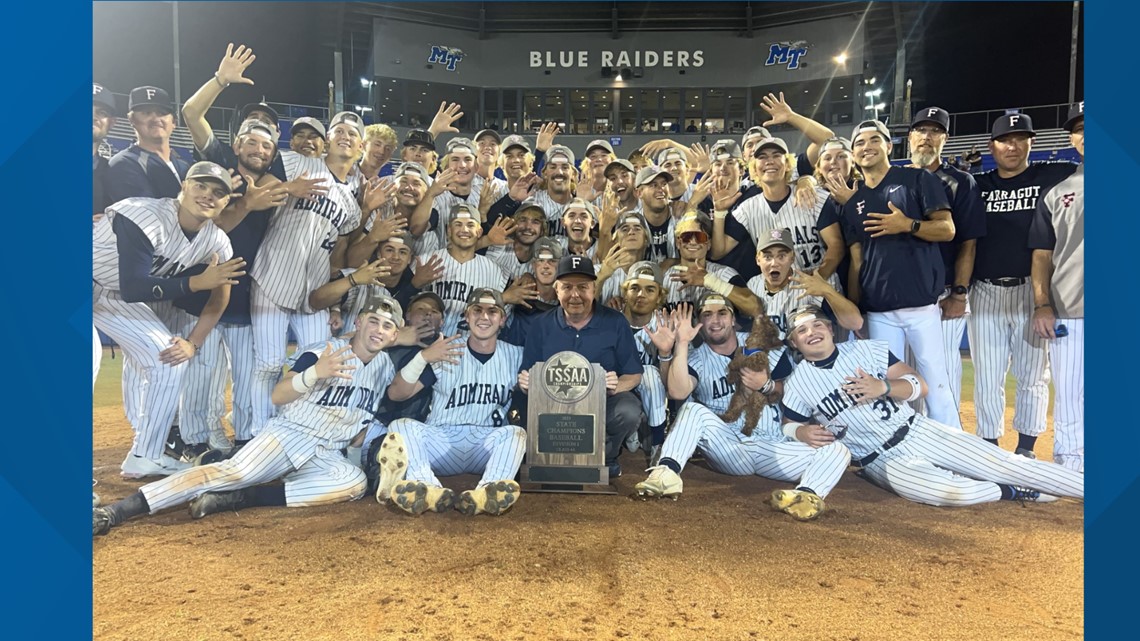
x,y
876,93
841,58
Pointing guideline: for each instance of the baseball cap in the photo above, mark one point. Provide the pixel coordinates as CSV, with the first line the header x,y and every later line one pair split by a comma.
x,y
805,314
1076,112
649,174
488,132
620,162
599,144
243,115
630,218
764,143
672,153
255,126
871,125
713,299
936,115
546,248
419,137
724,149
580,203
461,144
207,170
432,296
693,221
311,123
560,150
485,296
573,264
754,132
413,169
514,140
530,204
405,238
644,270
384,306
100,96
348,117
771,237
1012,123
150,97
836,143
463,210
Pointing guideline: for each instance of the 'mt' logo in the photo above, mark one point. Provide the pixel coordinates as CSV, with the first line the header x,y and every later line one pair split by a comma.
x,y
786,53
446,55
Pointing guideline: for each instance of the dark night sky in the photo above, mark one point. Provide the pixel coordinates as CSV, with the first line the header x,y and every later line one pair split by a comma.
x,y
979,55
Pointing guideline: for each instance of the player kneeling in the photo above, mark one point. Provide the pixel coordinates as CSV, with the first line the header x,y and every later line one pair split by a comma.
x,y
859,392
466,430
765,451
331,391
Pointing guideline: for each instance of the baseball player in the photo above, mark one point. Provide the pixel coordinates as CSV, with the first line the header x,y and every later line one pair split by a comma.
x,y
1057,237
642,296
1001,298
419,147
857,393
307,137
379,145
141,251
892,224
653,192
543,268
694,275
701,377
559,180
452,187
103,112
675,161
599,154
516,159
490,186
149,168
463,269
526,227
621,177
719,192
304,243
927,138
631,244
327,397
392,219
466,430
782,288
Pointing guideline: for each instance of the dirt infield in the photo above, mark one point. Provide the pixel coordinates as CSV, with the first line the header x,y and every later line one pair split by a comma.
x,y
717,564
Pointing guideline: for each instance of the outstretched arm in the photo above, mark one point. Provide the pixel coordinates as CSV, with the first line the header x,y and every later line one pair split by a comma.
x,y
230,70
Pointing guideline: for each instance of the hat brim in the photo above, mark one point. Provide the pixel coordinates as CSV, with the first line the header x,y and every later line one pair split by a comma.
x,y
774,243
1072,122
661,174
1032,134
142,105
304,125
919,122
225,185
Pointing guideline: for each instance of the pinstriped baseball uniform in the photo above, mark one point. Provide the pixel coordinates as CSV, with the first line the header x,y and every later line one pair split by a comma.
x,y
678,293
293,262
767,452
651,387
499,187
467,431
301,445
553,211
755,215
661,241
425,244
456,283
934,463
592,252
144,329
504,256
443,204
780,304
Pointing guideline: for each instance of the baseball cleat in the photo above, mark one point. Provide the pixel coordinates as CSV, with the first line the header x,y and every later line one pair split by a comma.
x,y
209,457
137,467
492,498
1025,495
415,497
799,504
218,440
214,502
1021,451
393,460
100,521
662,482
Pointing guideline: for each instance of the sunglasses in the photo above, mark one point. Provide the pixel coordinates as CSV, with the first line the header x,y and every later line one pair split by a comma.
x,y
698,237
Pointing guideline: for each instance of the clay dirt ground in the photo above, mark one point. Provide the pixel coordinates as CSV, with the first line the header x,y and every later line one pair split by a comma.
x,y
716,564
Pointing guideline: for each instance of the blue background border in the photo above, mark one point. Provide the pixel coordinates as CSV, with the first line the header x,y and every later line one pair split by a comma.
x,y
43,489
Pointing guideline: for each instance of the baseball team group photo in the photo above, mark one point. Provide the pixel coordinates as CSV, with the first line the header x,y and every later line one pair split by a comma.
x,y
477,320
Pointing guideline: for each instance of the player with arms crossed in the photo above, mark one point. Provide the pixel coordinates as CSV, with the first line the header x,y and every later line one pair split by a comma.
x,y
328,396
858,391
466,430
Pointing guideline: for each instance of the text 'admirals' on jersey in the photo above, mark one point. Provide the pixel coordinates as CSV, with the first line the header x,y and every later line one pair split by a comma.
x,y
478,393
322,207
339,396
721,387
451,289
1000,200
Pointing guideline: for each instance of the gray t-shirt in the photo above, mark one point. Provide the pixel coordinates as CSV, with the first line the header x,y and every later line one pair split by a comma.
x,y
1059,225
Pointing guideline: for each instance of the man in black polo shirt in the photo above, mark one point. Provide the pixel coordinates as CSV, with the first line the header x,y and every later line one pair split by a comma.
x,y
600,334
1001,298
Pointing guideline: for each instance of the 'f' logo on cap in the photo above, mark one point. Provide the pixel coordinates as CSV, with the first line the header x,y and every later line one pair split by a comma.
x,y
1013,119
150,93
1081,107
931,112
575,261
96,90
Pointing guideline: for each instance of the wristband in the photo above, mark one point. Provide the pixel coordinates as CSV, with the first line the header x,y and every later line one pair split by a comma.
x,y
415,367
664,358
1037,307
768,387
790,430
299,383
887,393
352,281
218,79
720,214
197,347
717,285
915,387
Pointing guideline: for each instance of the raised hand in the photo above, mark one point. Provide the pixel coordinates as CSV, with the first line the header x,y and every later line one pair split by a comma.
x,y
838,188
546,134
442,182
689,276
371,273
664,335
444,119
376,193
486,198
699,158
235,181
266,194
234,63
895,222
777,108
810,283
724,193
180,351
216,274
427,271
682,316
384,229
653,148
500,232
447,349
520,291
865,388
701,189
335,364
520,191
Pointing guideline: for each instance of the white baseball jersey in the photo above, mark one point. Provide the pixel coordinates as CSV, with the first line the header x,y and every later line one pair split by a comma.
x,y
443,204
499,187
425,244
294,257
592,252
779,304
456,283
173,251
651,387
504,256
661,243
715,392
474,392
678,293
757,217
553,211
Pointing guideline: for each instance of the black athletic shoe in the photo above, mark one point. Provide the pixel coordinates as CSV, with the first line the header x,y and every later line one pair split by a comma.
x,y
214,502
100,521
175,446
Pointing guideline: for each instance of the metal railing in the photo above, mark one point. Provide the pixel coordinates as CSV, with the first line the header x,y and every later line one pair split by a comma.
x,y
965,123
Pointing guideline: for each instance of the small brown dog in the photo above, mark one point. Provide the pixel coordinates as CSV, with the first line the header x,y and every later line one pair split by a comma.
x,y
754,356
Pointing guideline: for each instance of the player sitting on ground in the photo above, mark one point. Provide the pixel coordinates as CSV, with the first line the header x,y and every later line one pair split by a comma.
x,y
327,397
815,467
466,430
858,392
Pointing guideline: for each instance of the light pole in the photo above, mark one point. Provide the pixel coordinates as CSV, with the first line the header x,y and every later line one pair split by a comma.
x,y
368,84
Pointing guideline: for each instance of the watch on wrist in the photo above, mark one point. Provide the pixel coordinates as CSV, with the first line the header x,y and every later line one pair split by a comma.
x,y
960,289
914,226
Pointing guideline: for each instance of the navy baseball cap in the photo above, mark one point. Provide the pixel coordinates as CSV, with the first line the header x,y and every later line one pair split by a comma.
x,y
207,170
421,137
106,99
432,296
575,264
150,97
1076,112
243,115
1012,124
936,115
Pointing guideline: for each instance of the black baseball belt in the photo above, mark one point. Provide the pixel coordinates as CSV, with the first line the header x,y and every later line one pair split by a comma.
x,y
1006,282
894,440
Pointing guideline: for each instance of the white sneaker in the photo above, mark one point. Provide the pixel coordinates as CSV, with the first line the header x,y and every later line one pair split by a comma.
x,y
633,442
95,501
662,481
136,467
